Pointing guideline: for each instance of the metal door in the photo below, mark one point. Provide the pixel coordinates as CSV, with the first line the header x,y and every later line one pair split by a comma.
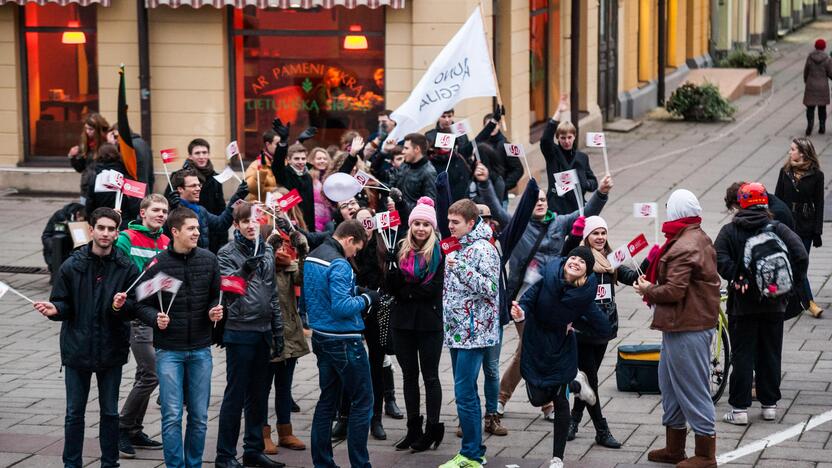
x,y
608,58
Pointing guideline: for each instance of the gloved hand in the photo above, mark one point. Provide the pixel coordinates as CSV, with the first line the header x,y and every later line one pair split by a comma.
x,y
283,224
251,263
654,253
396,195
277,345
498,113
817,241
281,130
307,134
242,191
578,227
173,200
391,257
373,296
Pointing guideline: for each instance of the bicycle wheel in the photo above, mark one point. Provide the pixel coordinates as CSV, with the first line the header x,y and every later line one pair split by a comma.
x,y
720,364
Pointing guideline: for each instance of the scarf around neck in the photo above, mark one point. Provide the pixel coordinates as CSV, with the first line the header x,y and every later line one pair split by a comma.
x,y
602,265
415,268
671,229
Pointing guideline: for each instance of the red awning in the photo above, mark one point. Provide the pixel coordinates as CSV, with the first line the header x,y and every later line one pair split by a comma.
x,y
286,4
105,3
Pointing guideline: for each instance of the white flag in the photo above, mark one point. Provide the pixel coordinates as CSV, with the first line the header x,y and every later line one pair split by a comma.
x,y
147,289
619,256
596,140
168,283
566,181
4,288
645,210
226,174
462,70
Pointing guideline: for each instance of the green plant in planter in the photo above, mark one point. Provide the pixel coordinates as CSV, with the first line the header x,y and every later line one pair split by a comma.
x,y
699,103
739,58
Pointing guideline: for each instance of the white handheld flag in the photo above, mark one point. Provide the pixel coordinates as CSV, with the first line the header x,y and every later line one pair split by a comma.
x,y
645,210
226,174
462,70
596,140
566,181
619,256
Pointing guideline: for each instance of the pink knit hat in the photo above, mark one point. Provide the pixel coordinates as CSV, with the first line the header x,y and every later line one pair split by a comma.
x,y
424,211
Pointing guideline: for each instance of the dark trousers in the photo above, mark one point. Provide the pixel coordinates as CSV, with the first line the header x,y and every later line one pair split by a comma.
x,y
538,396
77,382
756,346
283,373
807,288
810,116
376,355
590,356
247,378
417,350
135,406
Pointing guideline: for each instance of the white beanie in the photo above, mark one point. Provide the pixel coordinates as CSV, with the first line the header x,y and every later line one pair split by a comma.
x,y
682,204
593,223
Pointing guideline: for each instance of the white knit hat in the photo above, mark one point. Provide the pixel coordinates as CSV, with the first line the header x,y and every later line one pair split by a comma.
x,y
682,204
593,223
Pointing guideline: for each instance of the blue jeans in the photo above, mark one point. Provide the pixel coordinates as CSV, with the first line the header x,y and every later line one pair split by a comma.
x,y
77,382
342,364
491,369
179,371
807,288
466,364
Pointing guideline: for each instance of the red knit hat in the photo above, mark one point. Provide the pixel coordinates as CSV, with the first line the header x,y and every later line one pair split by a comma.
x,y
820,44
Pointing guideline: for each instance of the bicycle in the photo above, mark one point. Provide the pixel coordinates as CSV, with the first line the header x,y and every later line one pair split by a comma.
x,y
720,352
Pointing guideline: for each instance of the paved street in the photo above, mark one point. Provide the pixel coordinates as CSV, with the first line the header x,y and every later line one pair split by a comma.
x,y
704,158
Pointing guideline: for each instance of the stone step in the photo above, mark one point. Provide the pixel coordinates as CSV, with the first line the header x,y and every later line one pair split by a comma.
x,y
758,85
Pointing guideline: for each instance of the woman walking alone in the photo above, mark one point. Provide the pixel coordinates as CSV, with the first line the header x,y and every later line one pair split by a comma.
x,y
816,75
549,364
800,185
417,324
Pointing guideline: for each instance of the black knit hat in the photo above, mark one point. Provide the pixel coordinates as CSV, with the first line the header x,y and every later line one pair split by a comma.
x,y
586,255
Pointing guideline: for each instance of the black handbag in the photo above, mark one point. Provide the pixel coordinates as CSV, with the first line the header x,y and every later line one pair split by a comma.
x,y
383,312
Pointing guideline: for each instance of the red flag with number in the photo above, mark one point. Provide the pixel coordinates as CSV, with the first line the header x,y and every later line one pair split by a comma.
x,y
168,155
288,201
450,244
637,245
233,284
134,189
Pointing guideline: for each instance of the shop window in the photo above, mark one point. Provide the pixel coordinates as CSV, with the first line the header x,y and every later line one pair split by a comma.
x,y
319,67
539,60
61,74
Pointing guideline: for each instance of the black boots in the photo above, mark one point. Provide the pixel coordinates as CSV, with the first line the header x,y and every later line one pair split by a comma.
x,y
414,432
573,429
377,430
434,433
390,407
603,437
822,127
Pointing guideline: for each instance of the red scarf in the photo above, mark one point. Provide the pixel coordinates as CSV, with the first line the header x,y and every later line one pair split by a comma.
x,y
670,229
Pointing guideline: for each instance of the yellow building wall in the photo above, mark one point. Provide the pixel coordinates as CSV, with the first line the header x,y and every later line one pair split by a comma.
x,y
117,44
189,79
512,57
628,44
676,33
11,136
647,66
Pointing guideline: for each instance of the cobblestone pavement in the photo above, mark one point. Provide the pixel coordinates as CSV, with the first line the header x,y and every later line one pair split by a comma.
x,y
750,148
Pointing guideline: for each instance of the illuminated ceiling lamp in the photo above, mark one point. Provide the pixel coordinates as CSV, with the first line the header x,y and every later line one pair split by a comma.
x,y
355,41
73,37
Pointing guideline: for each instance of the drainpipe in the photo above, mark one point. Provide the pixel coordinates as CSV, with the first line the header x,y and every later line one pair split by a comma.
x,y
575,63
144,71
662,51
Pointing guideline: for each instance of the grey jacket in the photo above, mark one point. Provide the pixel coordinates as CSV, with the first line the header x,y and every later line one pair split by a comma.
x,y
258,310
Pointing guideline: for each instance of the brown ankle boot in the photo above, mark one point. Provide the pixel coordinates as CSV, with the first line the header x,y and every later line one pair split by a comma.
x,y
705,454
493,426
674,450
814,309
285,438
269,447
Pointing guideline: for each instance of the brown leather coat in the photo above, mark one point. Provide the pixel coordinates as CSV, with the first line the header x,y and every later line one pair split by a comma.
x,y
686,295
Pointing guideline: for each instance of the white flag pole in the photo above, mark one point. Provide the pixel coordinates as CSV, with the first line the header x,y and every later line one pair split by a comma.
x,y
580,200
242,168
136,280
606,161
258,184
161,307
171,301
167,175
21,295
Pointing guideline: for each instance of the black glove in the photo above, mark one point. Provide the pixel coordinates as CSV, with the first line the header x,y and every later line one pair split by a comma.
x,y
281,130
498,113
173,199
390,256
307,134
251,264
817,242
396,195
283,224
277,346
374,296
242,191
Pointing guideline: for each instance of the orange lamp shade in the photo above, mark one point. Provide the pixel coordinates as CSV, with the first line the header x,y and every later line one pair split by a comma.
x,y
355,41
73,37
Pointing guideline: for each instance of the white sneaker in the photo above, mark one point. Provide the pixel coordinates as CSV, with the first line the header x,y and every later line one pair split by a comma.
x,y
501,408
555,463
770,413
550,416
586,394
736,417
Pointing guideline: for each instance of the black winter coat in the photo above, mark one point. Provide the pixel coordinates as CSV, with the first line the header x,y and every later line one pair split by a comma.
x,y
418,306
781,211
287,177
558,160
189,327
129,205
805,198
508,168
730,247
415,180
93,335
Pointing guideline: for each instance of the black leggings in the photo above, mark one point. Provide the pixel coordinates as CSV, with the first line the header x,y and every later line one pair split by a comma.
x,y
415,350
589,361
810,115
557,395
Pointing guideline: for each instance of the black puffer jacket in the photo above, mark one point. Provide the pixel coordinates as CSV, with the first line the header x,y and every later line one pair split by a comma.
x,y
805,198
559,160
93,336
189,327
730,247
416,180
258,310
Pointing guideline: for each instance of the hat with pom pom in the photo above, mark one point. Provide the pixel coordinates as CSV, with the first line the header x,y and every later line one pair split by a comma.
x,y
424,211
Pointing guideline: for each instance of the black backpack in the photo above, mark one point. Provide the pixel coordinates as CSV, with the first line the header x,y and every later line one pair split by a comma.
x,y
766,258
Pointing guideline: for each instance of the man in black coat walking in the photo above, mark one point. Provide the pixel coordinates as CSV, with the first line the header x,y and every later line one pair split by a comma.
x,y
87,299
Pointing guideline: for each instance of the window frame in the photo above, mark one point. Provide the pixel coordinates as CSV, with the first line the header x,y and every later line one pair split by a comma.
x,y
30,159
232,33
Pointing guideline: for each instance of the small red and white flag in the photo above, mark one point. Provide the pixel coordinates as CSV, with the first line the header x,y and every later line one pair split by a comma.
x,y
290,200
619,256
395,219
233,284
445,140
450,244
645,210
134,189
637,245
515,150
232,150
168,155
